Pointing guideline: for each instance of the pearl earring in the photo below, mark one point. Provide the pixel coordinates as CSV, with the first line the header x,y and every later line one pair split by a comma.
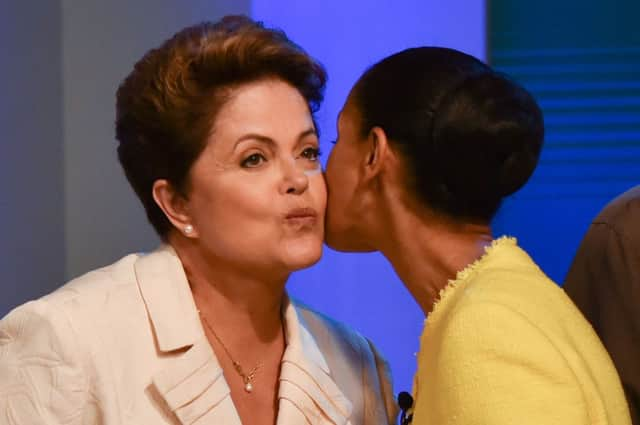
x,y
188,229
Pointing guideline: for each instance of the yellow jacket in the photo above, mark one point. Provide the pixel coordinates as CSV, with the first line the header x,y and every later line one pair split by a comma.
x,y
505,345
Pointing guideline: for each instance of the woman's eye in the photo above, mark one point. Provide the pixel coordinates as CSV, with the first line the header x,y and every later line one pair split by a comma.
x,y
252,160
312,154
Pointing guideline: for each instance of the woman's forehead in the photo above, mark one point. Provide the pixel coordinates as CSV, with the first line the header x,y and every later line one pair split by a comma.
x,y
268,109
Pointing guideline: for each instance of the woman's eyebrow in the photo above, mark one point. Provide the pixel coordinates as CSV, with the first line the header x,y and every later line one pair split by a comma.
x,y
268,140
309,132
255,137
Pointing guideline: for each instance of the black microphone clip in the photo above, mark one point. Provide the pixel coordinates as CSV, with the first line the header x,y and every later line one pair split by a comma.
x,y
405,401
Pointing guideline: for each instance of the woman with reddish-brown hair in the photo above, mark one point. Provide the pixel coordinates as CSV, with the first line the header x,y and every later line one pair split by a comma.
x,y
217,138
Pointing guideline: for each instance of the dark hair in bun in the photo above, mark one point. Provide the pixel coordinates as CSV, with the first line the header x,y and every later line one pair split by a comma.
x,y
470,135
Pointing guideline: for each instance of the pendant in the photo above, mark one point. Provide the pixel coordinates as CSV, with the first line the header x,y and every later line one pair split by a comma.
x,y
248,387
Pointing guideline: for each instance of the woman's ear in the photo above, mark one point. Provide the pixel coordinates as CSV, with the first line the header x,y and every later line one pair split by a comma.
x,y
174,206
376,154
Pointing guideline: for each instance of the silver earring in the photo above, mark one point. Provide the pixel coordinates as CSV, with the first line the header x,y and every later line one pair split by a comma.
x,y
188,229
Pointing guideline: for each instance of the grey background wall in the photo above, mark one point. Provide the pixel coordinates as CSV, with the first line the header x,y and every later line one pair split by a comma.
x,y
65,206
31,185
101,41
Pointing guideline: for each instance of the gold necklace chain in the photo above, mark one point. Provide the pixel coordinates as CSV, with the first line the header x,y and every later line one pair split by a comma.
x,y
247,378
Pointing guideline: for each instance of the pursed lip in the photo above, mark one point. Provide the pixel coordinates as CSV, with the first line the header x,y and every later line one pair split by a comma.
x,y
301,215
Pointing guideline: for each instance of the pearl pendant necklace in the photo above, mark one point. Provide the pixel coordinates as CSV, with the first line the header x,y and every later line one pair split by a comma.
x,y
247,378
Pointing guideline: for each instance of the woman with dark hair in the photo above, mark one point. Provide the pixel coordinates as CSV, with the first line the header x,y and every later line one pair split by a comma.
x,y
430,141
217,138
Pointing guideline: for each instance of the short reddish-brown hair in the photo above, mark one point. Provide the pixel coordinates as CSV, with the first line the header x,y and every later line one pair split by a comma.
x,y
166,107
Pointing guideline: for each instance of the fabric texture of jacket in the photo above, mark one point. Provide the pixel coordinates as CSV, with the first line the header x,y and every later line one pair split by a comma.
x,y
124,345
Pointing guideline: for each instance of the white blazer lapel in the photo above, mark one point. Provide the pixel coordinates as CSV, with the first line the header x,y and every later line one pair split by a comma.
x,y
307,391
194,388
167,296
191,384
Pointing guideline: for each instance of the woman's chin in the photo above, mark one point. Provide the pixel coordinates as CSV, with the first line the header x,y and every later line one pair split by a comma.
x,y
301,255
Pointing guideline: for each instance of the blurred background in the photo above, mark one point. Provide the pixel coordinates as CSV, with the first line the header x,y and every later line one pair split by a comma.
x,y
66,208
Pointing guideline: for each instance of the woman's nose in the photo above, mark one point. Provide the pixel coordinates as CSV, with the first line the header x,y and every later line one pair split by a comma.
x,y
295,179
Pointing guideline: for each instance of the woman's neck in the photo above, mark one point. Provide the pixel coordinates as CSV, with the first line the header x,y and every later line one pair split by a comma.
x,y
241,313
231,297
427,250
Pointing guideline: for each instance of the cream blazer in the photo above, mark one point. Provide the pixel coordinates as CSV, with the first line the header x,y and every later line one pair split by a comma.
x,y
123,345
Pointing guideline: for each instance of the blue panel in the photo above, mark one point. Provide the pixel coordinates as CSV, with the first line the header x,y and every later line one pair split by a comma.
x,y
586,76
